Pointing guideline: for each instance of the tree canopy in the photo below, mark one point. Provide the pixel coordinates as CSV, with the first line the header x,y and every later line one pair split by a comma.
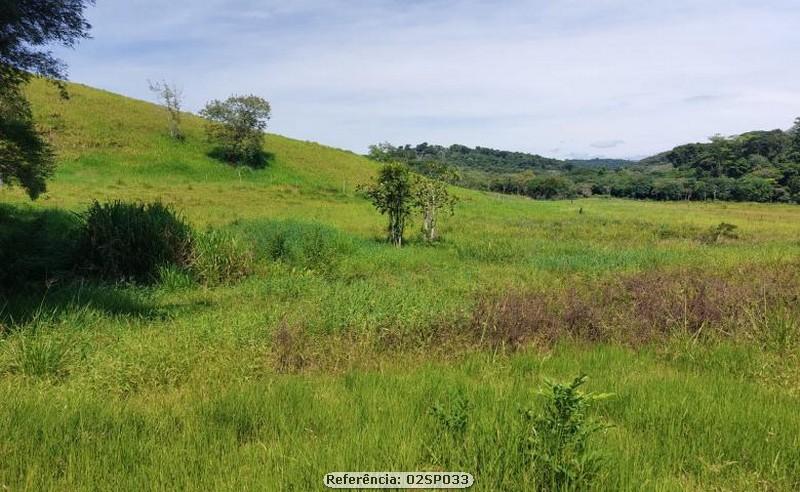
x,y
237,126
761,166
27,29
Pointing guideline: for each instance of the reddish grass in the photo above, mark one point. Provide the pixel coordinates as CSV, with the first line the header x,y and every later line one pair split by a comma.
x,y
637,308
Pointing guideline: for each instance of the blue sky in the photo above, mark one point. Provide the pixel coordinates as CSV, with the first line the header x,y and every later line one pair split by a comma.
x,y
563,78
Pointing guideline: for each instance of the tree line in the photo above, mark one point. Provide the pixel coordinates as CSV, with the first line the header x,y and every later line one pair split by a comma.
x,y
758,166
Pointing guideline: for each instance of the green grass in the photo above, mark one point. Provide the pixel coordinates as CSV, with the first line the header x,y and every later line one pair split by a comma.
x,y
181,386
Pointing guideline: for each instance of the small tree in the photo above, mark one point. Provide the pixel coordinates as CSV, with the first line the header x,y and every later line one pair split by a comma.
x,y
391,194
431,197
237,126
171,97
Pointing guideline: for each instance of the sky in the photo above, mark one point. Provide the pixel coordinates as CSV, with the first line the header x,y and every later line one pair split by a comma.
x,y
562,78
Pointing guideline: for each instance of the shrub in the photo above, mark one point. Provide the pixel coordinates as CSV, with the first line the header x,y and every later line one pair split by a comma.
x,y
237,126
130,241
219,257
558,439
304,245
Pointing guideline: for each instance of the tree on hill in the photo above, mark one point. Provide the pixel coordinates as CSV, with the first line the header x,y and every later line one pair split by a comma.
x,y
27,28
171,97
391,194
237,126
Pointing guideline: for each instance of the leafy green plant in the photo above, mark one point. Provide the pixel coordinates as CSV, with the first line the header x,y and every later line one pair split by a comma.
x,y
219,257
558,440
452,415
130,241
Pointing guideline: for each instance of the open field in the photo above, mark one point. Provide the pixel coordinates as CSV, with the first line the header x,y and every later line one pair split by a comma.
x,y
332,357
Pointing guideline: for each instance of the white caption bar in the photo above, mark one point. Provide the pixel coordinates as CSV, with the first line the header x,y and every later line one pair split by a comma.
x,y
398,480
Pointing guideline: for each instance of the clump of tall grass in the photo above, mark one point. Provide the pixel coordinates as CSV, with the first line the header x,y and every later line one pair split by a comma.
x,y
36,355
302,245
220,257
498,250
131,241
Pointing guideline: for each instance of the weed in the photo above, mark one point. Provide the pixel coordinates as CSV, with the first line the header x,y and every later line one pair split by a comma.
x,y
452,414
558,442
720,232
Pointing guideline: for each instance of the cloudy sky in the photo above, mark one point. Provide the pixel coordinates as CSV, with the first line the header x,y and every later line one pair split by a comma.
x,y
563,78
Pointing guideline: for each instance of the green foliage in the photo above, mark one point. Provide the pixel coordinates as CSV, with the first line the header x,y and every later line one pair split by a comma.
x,y
30,28
237,127
558,445
479,158
431,197
26,159
131,241
452,415
758,166
303,245
550,187
220,257
174,374
392,195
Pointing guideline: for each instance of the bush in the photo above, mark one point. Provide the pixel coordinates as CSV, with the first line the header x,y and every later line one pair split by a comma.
x,y
237,126
304,245
131,241
220,257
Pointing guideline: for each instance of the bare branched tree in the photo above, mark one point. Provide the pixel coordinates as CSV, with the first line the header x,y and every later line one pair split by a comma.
x,y
171,97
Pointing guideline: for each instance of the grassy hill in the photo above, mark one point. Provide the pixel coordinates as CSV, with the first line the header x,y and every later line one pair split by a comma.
x,y
332,359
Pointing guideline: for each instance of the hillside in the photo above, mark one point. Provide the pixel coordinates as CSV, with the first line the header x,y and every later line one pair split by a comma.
x,y
338,351
111,146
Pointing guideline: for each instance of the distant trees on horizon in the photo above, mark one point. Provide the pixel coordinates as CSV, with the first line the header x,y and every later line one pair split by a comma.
x,y
758,166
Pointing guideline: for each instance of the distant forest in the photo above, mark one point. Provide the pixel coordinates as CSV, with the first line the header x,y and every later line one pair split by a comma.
x,y
758,166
